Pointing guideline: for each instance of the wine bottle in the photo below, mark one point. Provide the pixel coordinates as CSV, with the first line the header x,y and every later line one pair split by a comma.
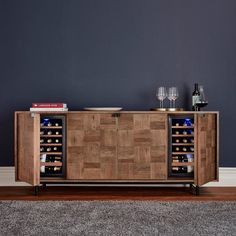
x,y
49,124
176,132
185,140
177,140
176,124
192,149
56,124
192,140
176,149
184,149
49,149
56,140
57,133
57,159
55,149
179,169
42,149
195,97
49,140
185,132
178,159
192,132
41,132
189,169
49,132
50,169
42,140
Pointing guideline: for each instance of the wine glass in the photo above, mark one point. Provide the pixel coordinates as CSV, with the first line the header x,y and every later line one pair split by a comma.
x,y
170,95
161,95
175,95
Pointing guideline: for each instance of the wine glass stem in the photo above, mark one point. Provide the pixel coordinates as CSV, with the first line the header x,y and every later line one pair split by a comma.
x,y
173,103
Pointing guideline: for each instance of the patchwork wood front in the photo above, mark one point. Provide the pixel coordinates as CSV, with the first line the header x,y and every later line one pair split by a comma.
x,y
92,144
142,146
207,148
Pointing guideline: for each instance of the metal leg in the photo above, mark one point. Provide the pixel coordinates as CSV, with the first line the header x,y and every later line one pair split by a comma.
x,y
195,188
36,190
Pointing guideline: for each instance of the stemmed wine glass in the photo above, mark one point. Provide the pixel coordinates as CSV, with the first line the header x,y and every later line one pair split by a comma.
x,y
173,94
161,95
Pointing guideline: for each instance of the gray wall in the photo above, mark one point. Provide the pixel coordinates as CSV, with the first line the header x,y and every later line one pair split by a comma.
x,y
115,53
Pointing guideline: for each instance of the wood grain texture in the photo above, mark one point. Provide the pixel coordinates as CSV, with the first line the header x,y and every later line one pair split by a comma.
x,y
142,146
207,148
28,148
91,152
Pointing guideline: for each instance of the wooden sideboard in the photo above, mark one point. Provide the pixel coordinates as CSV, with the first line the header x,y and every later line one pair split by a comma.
x,y
118,147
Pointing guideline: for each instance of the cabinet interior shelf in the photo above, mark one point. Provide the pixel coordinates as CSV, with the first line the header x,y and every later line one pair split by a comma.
x,y
51,136
51,153
182,153
182,164
182,135
51,144
182,144
182,127
50,163
51,127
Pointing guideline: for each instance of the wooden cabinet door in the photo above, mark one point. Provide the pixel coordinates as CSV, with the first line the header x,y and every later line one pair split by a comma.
x,y
207,148
27,147
142,146
91,141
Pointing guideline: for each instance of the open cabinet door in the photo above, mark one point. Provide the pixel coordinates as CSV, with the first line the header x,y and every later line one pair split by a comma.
x,y
27,147
207,151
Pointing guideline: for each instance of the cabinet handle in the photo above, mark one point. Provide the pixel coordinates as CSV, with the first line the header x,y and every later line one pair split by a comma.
x,y
115,115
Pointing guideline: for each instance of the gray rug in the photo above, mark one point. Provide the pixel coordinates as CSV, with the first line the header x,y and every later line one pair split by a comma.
x,y
117,218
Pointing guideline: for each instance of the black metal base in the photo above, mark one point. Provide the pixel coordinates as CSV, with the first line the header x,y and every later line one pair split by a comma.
x,y
195,188
36,190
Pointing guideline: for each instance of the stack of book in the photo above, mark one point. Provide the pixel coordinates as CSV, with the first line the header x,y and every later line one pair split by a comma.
x,y
49,106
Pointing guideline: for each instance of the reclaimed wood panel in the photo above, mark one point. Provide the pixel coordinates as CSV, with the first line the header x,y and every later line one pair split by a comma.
x,y
207,156
142,146
27,147
91,141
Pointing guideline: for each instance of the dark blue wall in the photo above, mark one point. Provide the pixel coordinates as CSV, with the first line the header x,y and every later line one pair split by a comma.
x,y
115,53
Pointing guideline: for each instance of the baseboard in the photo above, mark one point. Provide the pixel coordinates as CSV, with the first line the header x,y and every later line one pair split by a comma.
x,y
227,178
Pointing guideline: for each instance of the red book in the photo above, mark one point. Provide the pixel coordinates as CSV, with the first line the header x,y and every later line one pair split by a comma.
x,y
49,105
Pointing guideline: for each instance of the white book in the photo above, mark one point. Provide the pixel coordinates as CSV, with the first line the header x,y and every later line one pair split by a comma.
x,y
48,109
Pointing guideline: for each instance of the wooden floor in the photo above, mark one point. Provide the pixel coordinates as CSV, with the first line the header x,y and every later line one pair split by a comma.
x,y
118,193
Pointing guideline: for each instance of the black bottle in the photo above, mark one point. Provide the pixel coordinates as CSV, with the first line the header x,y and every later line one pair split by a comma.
x,y
195,98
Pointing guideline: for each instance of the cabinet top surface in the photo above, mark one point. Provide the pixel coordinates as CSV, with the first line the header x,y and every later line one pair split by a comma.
x,y
123,111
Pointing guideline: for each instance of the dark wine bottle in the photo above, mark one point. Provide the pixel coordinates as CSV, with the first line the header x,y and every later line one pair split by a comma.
x,y
42,140
195,97
185,140
50,170
49,140
179,169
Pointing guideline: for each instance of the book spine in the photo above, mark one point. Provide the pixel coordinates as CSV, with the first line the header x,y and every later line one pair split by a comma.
x,y
48,109
49,105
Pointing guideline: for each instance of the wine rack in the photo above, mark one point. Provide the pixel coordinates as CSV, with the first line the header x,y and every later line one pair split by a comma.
x,y
181,146
52,146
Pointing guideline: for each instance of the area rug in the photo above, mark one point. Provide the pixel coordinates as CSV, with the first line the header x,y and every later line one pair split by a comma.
x,y
117,218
